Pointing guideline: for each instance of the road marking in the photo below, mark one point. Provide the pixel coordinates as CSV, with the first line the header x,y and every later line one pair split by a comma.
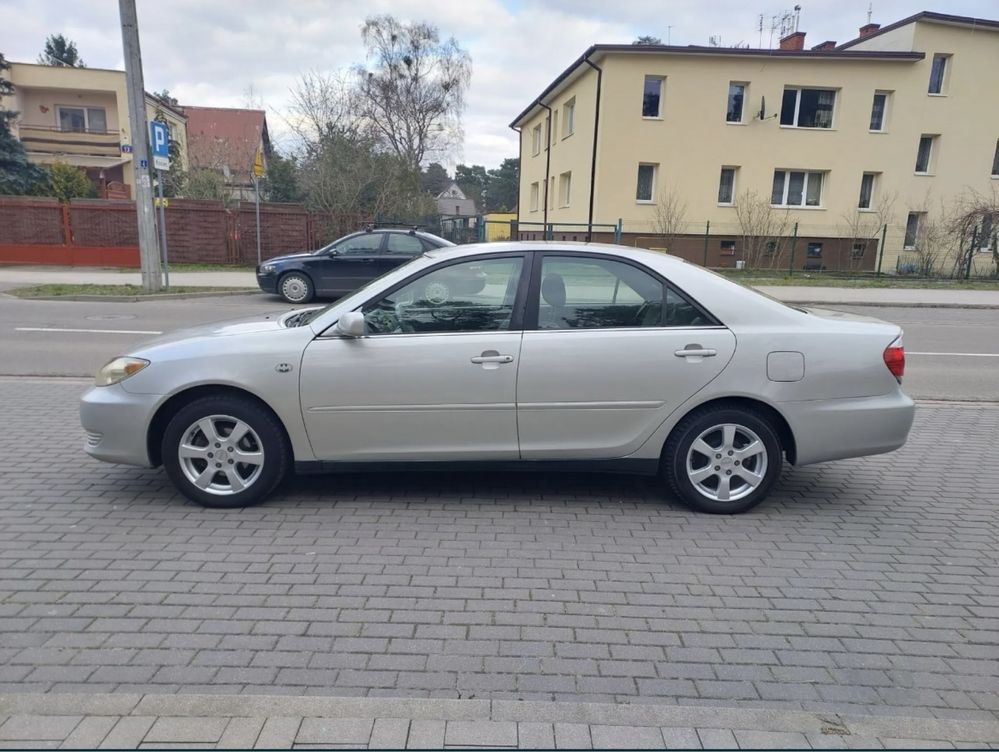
x,y
88,331
959,355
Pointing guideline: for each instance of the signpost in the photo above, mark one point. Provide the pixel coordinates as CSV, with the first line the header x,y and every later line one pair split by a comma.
x,y
159,141
258,172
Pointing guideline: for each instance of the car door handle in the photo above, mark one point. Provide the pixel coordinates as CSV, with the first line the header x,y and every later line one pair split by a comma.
x,y
491,356
695,351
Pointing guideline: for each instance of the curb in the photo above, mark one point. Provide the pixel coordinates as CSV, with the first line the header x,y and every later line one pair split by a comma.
x,y
137,298
884,304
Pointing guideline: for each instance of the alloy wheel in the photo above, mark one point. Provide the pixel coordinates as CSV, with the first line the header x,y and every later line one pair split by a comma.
x,y
221,455
726,462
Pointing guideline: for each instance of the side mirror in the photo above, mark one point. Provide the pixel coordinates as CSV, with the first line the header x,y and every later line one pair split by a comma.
x,y
351,324
332,252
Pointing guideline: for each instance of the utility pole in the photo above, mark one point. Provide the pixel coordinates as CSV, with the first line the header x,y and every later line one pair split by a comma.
x,y
149,257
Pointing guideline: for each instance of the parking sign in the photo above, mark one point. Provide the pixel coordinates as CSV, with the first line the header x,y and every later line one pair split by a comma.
x,y
159,141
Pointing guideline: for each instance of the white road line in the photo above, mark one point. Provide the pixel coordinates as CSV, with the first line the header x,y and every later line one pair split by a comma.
x,y
89,331
955,354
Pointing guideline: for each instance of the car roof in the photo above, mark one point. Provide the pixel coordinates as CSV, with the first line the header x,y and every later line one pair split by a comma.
x,y
403,230
519,246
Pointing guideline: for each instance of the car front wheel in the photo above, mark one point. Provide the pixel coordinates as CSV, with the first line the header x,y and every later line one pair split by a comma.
x,y
296,288
223,451
723,460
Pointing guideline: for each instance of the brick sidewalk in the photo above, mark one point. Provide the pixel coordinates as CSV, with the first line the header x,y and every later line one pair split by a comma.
x,y
219,722
862,588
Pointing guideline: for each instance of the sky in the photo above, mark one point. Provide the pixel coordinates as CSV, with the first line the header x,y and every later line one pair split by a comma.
x,y
211,52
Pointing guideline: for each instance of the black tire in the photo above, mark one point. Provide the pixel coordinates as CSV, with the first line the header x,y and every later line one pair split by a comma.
x,y
693,427
291,283
265,435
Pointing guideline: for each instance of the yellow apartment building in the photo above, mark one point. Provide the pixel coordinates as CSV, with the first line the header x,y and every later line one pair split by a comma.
x,y
819,152
80,116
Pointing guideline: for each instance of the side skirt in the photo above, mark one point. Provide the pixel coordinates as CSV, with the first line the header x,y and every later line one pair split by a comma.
x,y
622,466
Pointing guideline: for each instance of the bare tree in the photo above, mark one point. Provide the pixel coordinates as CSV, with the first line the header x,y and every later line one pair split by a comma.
x,y
972,222
670,218
764,229
413,94
861,228
324,105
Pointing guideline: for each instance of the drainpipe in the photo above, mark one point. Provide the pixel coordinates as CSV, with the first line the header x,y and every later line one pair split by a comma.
x,y
593,158
548,164
520,175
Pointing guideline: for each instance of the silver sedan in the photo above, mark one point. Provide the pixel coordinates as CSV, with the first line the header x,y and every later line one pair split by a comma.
x,y
521,355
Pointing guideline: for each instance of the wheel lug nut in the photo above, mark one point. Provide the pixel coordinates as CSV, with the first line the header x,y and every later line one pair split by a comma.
x,y
730,452
737,462
728,472
717,456
230,462
210,454
218,464
717,467
217,445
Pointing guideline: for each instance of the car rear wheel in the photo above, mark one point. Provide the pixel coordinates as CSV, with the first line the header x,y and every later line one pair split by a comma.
x,y
723,460
296,288
225,452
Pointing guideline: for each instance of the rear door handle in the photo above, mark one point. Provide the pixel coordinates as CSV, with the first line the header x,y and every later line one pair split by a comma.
x,y
695,351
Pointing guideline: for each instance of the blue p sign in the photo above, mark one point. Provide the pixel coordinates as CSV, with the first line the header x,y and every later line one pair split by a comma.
x,y
159,141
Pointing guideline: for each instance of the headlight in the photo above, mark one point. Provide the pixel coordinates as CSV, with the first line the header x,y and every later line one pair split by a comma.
x,y
119,369
268,269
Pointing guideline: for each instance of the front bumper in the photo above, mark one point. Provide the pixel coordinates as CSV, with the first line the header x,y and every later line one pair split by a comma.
x,y
268,282
855,427
117,423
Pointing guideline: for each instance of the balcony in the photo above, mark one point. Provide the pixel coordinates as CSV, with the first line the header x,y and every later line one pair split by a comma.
x,y
44,139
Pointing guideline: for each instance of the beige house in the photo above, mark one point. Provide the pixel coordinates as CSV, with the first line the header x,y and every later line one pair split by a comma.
x,y
80,116
893,128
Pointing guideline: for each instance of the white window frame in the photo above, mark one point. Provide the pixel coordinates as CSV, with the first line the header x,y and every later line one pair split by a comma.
x,y
662,96
931,156
797,108
554,126
551,193
565,188
884,111
804,189
536,140
874,185
86,115
735,177
652,185
569,118
943,79
535,195
745,102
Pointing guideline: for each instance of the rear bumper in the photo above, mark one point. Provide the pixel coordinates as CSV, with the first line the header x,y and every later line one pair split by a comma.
x,y
837,429
116,423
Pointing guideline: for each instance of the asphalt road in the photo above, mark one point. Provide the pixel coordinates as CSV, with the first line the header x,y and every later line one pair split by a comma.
x,y
953,353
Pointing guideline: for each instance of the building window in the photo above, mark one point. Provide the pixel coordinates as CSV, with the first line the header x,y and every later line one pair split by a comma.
x,y
535,192
565,187
770,248
646,183
858,250
987,235
924,153
81,119
808,108
814,250
866,190
937,73
995,162
728,248
796,188
726,186
568,118
652,97
551,193
878,110
736,100
912,230
554,127
536,140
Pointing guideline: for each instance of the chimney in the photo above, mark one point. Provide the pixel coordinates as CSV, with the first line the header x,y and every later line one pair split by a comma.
x,y
867,29
793,41
825,46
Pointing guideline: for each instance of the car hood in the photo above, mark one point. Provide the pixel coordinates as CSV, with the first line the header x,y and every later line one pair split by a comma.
x,y
229,328
287,257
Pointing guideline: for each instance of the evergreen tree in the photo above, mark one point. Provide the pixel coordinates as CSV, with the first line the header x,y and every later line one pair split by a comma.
x,y
61,52
17,174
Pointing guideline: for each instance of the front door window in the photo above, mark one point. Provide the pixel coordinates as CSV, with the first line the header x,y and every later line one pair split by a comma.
x,y
473,296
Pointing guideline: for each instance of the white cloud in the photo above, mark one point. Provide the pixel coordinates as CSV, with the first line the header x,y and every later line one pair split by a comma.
x,y
210,53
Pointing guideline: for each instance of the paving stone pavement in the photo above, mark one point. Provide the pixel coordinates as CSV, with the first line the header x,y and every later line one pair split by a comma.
x,y
862,587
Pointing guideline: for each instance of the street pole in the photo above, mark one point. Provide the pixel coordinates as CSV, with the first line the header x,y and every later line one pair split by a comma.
x,y
881,248
163,243
256,190
707,237
149,259
794,242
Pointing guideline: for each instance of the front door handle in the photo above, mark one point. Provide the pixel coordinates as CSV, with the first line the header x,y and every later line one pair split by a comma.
x,y
491,356
695,351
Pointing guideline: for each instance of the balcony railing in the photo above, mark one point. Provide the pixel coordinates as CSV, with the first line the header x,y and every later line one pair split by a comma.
x,y
47,139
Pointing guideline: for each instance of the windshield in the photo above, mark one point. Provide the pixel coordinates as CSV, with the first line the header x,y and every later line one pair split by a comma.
x,y
325,248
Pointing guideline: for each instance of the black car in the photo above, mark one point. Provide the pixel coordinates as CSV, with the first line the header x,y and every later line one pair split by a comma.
x,y
343,265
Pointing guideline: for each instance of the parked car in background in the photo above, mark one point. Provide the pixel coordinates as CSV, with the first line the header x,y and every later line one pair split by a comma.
x,y
566,356
343,265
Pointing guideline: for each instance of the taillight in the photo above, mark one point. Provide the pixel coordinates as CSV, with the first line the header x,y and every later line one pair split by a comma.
x,y
895,359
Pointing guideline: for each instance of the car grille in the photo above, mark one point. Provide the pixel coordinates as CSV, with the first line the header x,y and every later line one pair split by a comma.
x,y
94,438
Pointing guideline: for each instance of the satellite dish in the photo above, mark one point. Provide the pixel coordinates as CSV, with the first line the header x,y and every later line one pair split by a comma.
x,y
763,108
